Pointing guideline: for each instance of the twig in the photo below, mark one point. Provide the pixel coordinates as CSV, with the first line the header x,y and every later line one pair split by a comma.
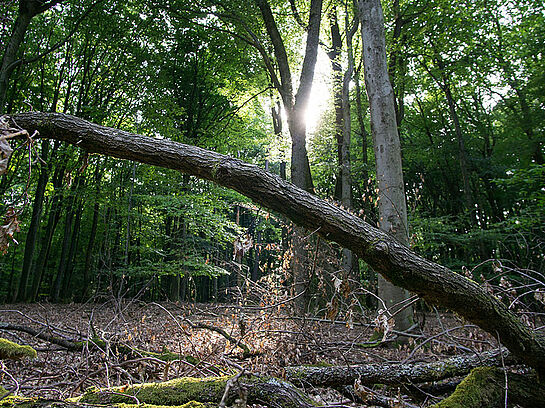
x,y
228,386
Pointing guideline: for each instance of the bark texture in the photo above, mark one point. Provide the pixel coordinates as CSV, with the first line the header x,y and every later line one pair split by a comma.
x,y
434,283
270,391
392,374
392,207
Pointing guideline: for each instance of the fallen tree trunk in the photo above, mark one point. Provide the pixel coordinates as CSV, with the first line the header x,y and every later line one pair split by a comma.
x,y
393,374
397,263
96,343
17,402
270,391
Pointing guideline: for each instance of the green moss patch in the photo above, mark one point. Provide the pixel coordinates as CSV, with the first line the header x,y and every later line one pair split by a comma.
x,y
175,392
13,351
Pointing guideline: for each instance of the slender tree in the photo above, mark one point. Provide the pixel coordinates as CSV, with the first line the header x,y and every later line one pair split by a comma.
x,y
392,205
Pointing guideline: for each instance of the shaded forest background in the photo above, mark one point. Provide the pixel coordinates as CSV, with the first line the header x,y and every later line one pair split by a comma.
x,y
469,82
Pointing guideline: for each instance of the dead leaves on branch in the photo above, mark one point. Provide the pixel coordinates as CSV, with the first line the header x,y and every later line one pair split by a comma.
x,y
11,223
5,149
8,229
242,245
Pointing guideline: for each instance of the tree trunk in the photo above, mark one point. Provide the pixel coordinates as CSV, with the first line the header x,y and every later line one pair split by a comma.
x,y
395,374
349,261
385,254
64,259
341,98
462,151
391,206
10,55
92,235
334,55
70,229
272,392
74,242
28,9
53,218
295,108
295,105
363,133
30,243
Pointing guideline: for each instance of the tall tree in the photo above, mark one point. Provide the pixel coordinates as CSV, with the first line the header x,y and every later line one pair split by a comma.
x,y
295,105
392,205
28,9
343,120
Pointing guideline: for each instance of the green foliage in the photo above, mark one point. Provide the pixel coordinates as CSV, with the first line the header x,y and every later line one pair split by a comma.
x,y
188,72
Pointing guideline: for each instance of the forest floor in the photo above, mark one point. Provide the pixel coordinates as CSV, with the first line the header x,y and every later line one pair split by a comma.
x,y
275,337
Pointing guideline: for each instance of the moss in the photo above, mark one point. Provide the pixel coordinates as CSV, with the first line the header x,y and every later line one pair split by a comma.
x,y
13,351
272,391
476,390
485,387
190,404
174,392
21,402
374,341
13,401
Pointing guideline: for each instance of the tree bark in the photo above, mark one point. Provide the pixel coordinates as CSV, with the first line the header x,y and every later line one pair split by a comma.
x,y
343,130
392,206
47,239
28,9
334,55
92,235
32,235
295,105
8,61
394,374
270,391
385,254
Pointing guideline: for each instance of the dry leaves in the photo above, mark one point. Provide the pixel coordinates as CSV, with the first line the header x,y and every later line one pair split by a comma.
x,y
10,227
5,148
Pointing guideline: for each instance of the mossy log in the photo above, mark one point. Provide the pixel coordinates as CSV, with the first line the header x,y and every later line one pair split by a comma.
x,y
13,351
97,343
369,374
486,387
19,402
269,391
